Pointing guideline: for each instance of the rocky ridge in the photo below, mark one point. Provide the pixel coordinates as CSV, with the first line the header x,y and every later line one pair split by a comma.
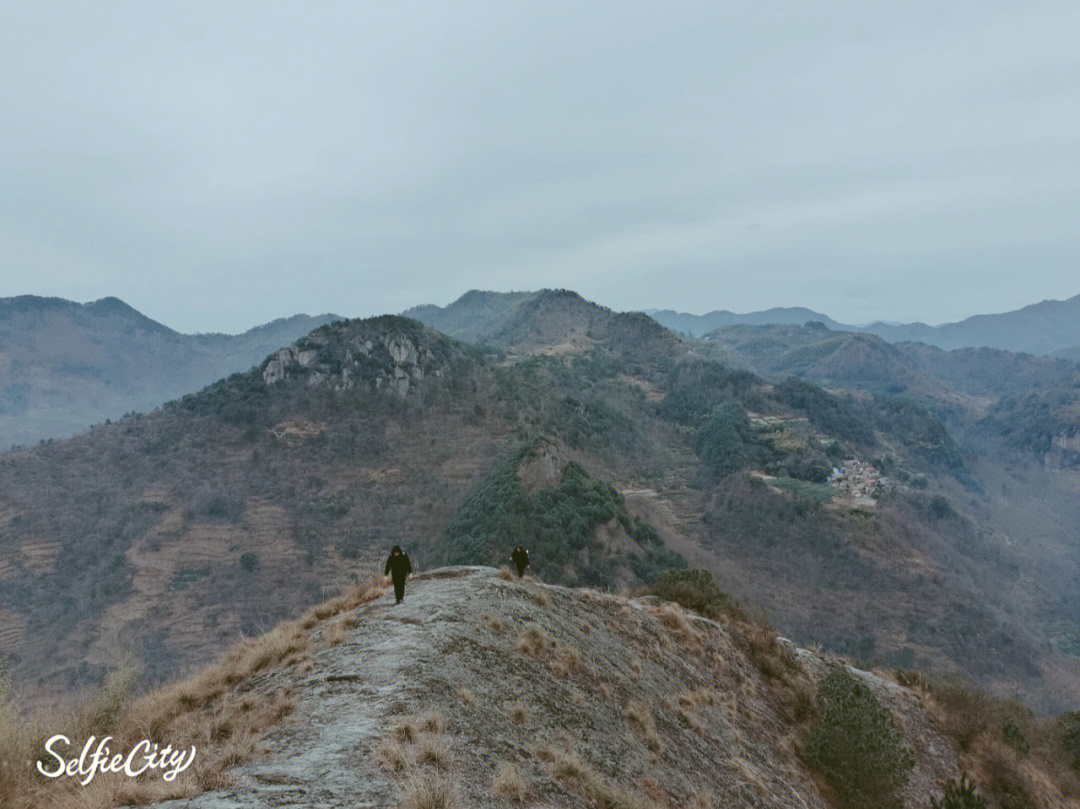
x,y
579,694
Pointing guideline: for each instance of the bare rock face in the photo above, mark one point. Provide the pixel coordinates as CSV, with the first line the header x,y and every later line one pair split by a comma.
x,y
544,469
562,697
391,356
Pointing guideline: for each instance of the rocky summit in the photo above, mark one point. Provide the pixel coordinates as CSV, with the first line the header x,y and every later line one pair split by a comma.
x,y
483,691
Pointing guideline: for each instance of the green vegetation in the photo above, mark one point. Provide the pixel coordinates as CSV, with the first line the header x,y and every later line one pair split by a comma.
x,y
186,575
828,413
249,562
726,443
855,745
590,424
1069,731
692,588
816,493
959,795
695,389
558,525
1013,735
920,431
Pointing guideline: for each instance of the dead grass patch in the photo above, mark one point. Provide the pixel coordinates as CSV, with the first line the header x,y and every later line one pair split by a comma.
x,y
467,697
429,792
495,624
509,784
519,712
565,661
432,750
534,642
568,767
640,718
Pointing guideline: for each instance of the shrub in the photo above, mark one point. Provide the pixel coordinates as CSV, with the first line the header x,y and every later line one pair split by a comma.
x,y
855,745
1069,728
959,795
693,589
726,442
1013,736
249,561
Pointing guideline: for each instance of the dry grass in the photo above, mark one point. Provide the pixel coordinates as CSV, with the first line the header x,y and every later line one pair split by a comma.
x,y
1036,772
568,767
640,717
519,712
496,625
694,699
674,618
505,573
565,661
534,642
213,711
432,750
467,697
509,784
416,739
406,730
362,592
336,632
699,800
758,641
393,756
428,792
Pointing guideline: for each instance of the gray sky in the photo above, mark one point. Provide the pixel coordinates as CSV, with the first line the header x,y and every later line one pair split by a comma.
x,y
221,164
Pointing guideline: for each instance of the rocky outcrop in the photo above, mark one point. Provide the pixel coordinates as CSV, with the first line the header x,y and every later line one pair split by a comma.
x,y
390,354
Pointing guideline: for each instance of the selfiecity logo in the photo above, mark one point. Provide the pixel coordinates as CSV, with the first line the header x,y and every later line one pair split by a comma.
x,y
143,757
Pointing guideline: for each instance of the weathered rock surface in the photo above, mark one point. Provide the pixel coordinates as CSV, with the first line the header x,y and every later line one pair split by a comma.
x,y
658,703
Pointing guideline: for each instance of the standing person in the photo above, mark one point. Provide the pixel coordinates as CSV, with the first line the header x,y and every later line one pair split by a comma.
x,y
520,558
398,568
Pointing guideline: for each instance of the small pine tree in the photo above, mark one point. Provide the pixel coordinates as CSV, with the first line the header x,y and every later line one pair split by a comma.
x,y
855,745
959,795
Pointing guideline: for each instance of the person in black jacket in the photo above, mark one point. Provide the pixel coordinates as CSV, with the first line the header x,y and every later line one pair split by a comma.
x,y
398,568
520,558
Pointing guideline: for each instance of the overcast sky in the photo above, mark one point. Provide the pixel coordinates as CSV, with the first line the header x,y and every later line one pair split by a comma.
x,y
221,164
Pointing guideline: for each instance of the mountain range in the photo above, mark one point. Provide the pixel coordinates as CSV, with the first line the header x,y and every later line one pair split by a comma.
x,y
1048,327
65,365
615,448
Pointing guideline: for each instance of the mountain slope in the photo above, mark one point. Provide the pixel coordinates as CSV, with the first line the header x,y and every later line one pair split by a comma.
x,y
589,699
65,365
226,511
545,322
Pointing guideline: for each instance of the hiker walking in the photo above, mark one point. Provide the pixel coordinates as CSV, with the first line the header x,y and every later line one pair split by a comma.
x,y
398,568
520,558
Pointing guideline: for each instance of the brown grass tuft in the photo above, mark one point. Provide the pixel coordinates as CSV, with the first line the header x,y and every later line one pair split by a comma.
x,y
566,660
640,717
534,642
433,750
467,697
519,712
496,625
509,784
428,792
505,573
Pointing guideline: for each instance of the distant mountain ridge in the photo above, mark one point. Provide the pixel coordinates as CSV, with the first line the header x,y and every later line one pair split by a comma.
x,y
1047,327
66,365
550,321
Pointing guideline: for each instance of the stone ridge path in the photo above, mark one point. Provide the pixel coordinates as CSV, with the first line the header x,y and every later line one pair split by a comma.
x,y
316,758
